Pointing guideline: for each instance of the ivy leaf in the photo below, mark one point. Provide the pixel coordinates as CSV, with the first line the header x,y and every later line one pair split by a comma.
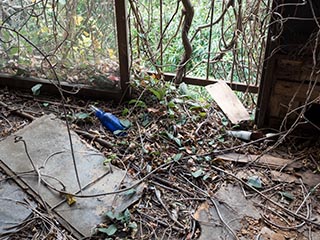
x,y
205,177
145,122
126,123
197,173
110,215
133,225
112,229
127,215
156,93
171,104
183,89
36,89
175,139
125,112
123,217
202,114
138,103
287,195
159,93
255,181
171,112
177,157
81,115
178,141
119,133
224,121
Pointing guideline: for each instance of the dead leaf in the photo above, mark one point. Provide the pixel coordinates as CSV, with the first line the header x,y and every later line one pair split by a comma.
x,y
202,212
70,199
283,177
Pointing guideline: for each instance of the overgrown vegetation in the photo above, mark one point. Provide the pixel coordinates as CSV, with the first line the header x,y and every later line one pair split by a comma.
x,y
228,37
79,39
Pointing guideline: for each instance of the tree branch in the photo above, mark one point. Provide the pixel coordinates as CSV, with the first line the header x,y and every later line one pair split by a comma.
x,y
188,13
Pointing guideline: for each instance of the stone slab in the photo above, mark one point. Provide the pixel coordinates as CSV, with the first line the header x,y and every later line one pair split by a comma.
x,y
232,206
48,146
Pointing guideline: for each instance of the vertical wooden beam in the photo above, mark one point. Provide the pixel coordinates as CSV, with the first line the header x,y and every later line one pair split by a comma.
x,y
267,81
123,45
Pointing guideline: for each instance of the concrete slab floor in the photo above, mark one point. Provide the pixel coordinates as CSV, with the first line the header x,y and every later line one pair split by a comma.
x,y
48,146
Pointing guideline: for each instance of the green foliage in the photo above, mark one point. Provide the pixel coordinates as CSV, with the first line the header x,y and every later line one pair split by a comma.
x,y
235,46
125,112
173,138
125,123
109,159
255,181
159,93
130,192
70,34
36,89
138,103
119,222
177,157
287,195
81,116
112,229
197,173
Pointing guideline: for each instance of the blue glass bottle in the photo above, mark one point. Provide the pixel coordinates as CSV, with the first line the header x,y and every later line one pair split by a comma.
x,y
108,120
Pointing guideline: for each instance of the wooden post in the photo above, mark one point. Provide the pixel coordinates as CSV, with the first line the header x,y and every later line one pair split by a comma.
x,y
123,43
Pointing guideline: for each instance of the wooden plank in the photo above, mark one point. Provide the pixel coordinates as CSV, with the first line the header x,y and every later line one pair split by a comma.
x,y
264,160
300,91
228,102
199,81
85,91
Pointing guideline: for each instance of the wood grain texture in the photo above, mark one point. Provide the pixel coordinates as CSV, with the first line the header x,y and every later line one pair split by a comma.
x,y
228,102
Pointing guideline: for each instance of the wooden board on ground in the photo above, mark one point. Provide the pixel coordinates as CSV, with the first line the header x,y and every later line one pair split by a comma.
x,y
264,160
231,106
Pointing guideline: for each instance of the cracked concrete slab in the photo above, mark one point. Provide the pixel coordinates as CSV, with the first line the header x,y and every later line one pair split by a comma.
x,y
12,197
48,146
233,207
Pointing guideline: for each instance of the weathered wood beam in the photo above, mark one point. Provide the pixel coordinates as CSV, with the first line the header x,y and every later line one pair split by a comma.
x,y
241,87
47,87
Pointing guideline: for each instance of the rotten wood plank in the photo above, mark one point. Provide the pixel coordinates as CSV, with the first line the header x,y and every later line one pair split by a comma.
x,y
264,160
223,95
19,82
